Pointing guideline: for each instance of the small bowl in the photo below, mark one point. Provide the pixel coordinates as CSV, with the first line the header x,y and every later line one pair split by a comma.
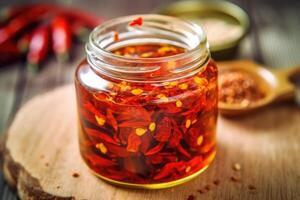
x,y
216,13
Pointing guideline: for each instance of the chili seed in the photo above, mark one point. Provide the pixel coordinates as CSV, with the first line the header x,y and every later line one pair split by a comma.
x,y
188,169
188,123
152,126
173,83
183,86
236,167
140,131
178,103
137,91
200,140
100,120
171,65
200,81
146,54
162,97
101,147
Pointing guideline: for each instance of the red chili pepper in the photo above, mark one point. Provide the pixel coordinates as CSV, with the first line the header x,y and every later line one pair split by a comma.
x,y
96,160
175,137
161,158
39,46
87,20
163,131
155,149
111,119
118,151
136,22
19,23
169,169
9,52
61,38
123,134
91,108
98,134
116,36
183,151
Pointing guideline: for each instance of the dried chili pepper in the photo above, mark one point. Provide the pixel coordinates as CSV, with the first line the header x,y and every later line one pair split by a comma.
x,y
163,130
134,141
9,52
169,169
61,37
136,22
155,149
100,135
87,20
38,47
19,23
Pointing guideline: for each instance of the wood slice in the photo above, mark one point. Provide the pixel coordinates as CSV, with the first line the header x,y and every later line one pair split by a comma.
x,y
41,155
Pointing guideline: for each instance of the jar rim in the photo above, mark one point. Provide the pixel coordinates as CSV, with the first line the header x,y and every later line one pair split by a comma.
x,y
202,41
196,43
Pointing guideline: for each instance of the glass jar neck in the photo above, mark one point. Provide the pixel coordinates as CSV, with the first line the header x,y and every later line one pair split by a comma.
x,y
156,29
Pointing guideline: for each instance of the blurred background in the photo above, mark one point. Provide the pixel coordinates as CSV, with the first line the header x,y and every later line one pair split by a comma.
x,y
273,40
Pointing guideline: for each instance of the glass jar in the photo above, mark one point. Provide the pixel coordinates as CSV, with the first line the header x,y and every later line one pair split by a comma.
x,y
147,102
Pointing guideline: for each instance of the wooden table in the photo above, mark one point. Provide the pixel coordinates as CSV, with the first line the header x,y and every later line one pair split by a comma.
x,y
273,40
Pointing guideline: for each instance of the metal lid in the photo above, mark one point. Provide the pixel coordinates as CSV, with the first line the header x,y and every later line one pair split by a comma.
x,y
225,23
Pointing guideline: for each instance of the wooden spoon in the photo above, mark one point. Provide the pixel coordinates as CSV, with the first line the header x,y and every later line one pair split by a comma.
x,y
276,83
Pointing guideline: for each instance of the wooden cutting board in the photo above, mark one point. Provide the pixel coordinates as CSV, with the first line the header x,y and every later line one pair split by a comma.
x,y
41,157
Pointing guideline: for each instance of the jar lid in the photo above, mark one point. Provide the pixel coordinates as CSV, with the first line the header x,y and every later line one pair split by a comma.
x,y
224,23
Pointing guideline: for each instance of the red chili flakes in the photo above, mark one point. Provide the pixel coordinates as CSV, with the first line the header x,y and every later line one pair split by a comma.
x,y
134,141
238,87
163,130
75,175
149,133
116,36
136,22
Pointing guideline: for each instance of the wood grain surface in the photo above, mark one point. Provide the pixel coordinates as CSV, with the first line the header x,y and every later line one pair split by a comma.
x,y
41,156
273,40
